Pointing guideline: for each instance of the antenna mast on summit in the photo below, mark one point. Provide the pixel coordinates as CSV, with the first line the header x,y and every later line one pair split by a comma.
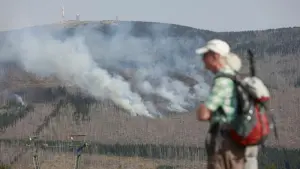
x,y
62,12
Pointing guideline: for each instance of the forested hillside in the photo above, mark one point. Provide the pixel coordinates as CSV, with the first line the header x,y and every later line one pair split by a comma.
x,y
35,64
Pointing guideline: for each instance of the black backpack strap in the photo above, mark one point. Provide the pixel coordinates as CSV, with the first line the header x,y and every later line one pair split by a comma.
x,y
229,76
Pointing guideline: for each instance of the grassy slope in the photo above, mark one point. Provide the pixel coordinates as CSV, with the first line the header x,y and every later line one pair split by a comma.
x,y
109,125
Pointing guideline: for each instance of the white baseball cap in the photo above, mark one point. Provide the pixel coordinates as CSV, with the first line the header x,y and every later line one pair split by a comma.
x,y
216,45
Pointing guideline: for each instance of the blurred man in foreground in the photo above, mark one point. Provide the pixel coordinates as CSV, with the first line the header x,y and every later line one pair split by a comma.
x,y
220,109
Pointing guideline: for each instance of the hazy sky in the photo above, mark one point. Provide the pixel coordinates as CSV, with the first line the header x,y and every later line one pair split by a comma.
x,y
217,15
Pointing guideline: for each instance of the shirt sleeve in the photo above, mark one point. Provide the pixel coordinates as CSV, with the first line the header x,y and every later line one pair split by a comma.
x,y
218,93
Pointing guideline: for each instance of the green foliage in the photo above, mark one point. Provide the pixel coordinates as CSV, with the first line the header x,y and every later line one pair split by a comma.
x,y
165,167
271,166
5,166
11,117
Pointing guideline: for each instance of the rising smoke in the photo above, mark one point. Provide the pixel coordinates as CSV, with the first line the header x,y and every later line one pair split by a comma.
x,y
132,71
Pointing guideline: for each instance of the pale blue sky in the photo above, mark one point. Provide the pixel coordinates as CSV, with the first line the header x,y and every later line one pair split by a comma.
x,y
216,15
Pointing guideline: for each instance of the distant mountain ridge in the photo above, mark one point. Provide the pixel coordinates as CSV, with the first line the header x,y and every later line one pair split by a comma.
x,y
281,41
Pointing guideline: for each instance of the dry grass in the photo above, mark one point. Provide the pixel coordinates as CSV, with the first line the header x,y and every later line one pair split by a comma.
x,y
51,160
8,153
111,125
286,105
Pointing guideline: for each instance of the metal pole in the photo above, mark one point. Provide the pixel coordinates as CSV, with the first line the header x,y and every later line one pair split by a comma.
x,y
78,150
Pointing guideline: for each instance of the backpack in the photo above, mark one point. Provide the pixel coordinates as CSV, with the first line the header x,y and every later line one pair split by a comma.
x,y
251,125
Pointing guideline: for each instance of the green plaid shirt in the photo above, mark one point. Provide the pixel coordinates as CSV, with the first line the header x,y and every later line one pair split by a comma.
x,y
222,95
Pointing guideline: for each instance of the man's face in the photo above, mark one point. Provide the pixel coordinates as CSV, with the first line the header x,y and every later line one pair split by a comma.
x,y
210,58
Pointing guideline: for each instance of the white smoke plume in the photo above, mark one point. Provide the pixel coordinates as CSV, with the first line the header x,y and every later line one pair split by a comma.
x,y
120,67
